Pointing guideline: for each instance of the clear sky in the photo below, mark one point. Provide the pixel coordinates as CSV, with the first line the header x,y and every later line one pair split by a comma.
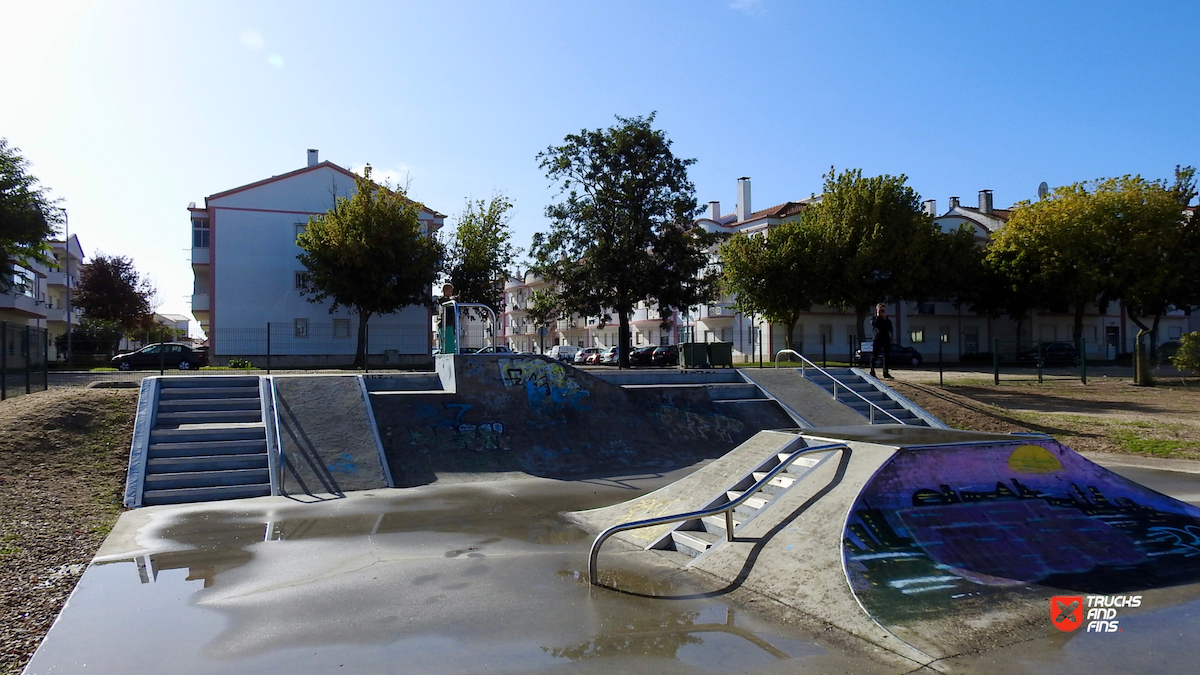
x,y
128,110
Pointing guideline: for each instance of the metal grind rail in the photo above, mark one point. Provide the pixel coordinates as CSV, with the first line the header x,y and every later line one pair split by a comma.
x,y
871,405
727,508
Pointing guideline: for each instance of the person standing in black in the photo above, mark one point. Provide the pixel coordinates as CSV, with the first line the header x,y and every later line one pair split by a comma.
x,y
881,325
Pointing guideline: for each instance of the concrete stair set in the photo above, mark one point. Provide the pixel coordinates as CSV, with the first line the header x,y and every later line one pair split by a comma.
x,y
696,537
725,387
850,378
208,441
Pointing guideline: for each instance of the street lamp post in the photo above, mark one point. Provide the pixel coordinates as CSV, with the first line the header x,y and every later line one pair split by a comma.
x,y
67,250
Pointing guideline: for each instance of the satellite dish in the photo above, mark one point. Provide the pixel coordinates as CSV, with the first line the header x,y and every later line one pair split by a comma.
x,y
1043,190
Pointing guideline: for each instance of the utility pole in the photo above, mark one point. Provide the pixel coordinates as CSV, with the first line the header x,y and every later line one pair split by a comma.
x,y
67,247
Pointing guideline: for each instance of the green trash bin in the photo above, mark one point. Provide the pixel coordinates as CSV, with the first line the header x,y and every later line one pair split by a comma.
x,y
693,355
720,354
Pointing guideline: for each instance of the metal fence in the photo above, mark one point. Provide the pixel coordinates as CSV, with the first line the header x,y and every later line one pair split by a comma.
x,y
23,359
304,344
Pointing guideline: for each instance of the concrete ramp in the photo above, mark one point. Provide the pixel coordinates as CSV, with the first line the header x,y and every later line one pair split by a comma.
x,y
328,436
932,543
530,414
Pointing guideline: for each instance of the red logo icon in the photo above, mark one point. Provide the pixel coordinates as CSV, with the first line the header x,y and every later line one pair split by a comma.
x,y
1066,612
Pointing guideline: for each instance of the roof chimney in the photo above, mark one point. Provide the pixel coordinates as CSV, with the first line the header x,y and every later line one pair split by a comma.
x,y
930,207
312,157
714,210
985,202
743,198
954,202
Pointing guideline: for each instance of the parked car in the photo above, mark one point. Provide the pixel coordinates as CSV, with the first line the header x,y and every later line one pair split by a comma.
x,y
563,352
495,349
667,355
642,356
898,355
584,355
1062,353
1165,351
609,357
161,354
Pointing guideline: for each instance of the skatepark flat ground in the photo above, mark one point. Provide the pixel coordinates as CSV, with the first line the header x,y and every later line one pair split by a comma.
x,y
476,577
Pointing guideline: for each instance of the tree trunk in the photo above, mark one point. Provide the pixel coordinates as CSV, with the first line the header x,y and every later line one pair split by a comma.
x,y
360,356
860,318
623,339
788,341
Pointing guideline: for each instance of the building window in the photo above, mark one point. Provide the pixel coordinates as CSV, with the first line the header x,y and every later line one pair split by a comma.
x,y
925,308
301,328
945,334
301,278
200,233
300,228
341,328
917,335
664,340
826,334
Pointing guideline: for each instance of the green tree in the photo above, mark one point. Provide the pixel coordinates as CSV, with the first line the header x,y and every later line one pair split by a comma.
x,y
542,310
623,233
480,255
369,253
111,289
778,275
1123,239
1188,356
884,242
92,335
28,217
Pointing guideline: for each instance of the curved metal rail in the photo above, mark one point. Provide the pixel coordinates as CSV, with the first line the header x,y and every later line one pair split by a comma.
x,y
871,405
726,508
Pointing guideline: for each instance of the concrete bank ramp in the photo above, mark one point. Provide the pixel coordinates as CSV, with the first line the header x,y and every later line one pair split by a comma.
x,y
510,413
932,543
328,436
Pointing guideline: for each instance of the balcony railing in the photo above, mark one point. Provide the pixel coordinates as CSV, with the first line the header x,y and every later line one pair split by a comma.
x,y
200,302
200,255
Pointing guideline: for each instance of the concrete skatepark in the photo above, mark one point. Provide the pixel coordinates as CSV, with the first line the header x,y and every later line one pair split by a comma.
x,y
441,521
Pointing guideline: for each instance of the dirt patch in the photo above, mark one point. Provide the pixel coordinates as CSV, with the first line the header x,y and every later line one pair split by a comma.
x,y
62,474
1108,414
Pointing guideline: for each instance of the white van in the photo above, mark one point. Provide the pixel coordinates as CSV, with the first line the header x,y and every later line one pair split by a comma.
x,y
562,352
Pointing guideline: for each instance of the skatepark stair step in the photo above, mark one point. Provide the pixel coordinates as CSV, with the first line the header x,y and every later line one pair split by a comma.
x,y
208,441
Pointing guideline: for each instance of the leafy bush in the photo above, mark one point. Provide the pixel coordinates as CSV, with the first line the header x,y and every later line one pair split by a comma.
x,y
1188,356
239,363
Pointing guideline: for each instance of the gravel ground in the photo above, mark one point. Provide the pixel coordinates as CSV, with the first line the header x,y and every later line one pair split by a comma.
x,y
62,473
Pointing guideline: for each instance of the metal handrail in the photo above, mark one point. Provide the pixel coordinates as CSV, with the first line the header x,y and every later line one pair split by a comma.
x,y
279,461
871,405
726,508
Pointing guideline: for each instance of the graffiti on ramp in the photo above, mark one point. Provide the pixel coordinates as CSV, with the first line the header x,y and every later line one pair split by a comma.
x,y
940,525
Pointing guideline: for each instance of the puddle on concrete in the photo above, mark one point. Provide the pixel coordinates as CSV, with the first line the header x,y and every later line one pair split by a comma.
x,y
462,579
465,579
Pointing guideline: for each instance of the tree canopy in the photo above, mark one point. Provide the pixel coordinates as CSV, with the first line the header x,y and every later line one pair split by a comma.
x,y
28,216
622,233
887,247
1124,239
480,255
369,253
111,289
778,275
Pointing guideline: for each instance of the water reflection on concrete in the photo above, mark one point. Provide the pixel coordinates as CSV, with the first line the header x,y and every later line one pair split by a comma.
x,y
456,579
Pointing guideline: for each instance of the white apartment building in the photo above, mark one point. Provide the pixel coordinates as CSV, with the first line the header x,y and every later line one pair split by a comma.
x,y
39,295
247,297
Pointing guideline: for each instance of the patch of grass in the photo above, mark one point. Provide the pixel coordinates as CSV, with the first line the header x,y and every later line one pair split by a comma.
x,y
1157,447
8,543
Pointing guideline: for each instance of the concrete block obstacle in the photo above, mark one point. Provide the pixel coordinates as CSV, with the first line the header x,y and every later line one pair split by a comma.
x,y
931,542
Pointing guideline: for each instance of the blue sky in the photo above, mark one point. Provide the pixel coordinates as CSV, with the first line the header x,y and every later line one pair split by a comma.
x,y
130,110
